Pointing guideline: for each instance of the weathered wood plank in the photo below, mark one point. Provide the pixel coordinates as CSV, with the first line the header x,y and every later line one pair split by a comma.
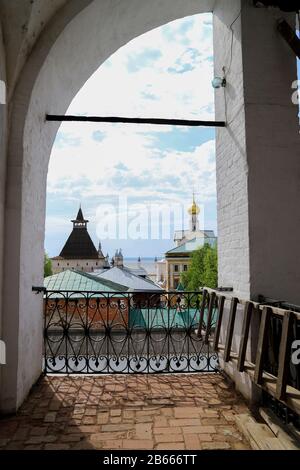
x,y
202,310
221,302
245,334
211,305
268,383
230,329
284,355
262,343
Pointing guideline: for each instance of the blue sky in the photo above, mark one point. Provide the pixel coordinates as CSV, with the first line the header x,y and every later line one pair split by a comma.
x,y
166,72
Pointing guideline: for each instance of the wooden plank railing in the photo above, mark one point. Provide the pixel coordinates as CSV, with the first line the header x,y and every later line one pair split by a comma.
x,y
230,329
245,336
277,386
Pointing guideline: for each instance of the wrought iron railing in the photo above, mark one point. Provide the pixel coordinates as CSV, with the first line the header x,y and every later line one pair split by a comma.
x,y
140,332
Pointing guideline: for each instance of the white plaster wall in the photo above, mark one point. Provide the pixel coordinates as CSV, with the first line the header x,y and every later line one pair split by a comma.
x,y
86,264
48,83
231,162
24,232
23,21
258,165
76,42
273,151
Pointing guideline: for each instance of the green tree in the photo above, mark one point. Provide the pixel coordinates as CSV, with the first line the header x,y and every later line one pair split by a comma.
x,y
203,270
47,266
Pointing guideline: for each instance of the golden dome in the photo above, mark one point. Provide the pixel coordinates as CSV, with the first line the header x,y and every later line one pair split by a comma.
x,y
194,209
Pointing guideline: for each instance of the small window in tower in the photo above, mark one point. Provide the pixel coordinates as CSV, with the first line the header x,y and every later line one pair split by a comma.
x,y
176,268
185,267
87,264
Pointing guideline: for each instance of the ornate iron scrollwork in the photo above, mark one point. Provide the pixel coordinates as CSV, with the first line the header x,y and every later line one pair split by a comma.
x,y
95,333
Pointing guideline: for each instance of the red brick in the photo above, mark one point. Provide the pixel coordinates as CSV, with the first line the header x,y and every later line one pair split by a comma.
x,y
168,437
115,412
57,446
199,430
137,444
170,446
185,422
192,442
215,445
173,430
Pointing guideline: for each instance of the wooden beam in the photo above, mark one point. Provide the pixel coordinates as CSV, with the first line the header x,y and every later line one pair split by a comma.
x,y
284,355
230,329
245,334
262,344
209,316
202,310
125,120
221,301
290,36
268,383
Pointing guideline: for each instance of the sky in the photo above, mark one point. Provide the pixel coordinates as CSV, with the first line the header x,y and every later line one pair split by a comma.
x,y
135,182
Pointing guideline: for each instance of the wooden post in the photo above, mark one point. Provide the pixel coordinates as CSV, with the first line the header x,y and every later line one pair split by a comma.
x,y
245,334
284,355
262,343
209,316
202,310
221,301
290,36
230,328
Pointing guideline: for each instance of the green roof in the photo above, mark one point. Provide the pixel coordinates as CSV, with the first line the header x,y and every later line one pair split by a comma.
x,y
70,280
180,288
191,245
166,318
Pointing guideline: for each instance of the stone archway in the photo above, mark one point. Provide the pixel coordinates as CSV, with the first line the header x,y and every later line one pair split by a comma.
x,y
80,38
72,46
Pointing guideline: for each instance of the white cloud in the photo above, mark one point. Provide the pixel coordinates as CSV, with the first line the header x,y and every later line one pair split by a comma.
x,y
115,90
100,171
164,73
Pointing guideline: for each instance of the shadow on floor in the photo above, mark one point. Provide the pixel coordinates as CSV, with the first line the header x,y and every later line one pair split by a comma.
x,y
175,411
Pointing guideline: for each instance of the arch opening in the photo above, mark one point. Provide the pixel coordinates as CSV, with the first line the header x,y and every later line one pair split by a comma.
x,y
55,69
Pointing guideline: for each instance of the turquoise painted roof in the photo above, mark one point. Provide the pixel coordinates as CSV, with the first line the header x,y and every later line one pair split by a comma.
x,y
70,280
167,318
192,245
180,288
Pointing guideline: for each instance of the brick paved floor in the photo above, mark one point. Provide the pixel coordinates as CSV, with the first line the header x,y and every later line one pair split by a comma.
x,y
127,412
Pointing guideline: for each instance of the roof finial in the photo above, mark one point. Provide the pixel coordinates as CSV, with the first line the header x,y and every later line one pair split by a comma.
x,y
194,209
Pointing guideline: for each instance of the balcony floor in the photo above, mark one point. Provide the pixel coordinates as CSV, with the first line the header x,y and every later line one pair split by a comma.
x,y
182,411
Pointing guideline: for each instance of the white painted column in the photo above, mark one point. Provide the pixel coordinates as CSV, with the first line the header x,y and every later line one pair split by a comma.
x,y
258,164
258,155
